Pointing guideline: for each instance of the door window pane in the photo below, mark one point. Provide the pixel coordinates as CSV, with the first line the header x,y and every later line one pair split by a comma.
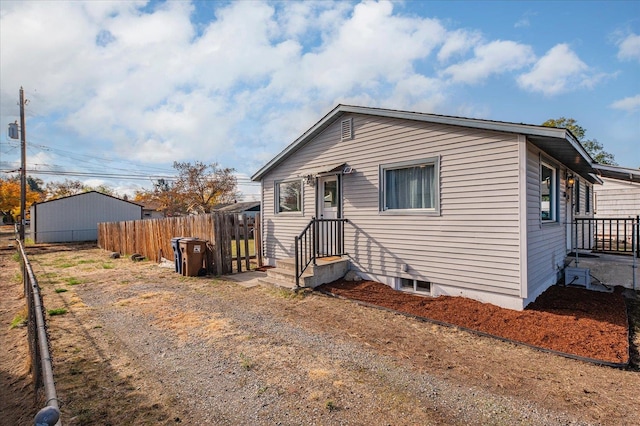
x,y
331,193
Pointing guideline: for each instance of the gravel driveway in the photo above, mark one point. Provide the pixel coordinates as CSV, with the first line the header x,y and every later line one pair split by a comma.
x,y
205,351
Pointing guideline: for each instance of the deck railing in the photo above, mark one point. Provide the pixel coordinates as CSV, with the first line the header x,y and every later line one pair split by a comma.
x,y
320,238
607,235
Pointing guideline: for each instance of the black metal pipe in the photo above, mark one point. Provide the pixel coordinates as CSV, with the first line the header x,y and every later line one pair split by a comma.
x,y
43,345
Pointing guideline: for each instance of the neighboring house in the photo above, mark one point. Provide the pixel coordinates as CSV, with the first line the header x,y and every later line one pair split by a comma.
x,y
249,208
619,195
76,218
435,204
152,211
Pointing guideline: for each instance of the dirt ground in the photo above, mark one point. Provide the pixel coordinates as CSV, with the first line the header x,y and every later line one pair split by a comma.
x,y
574,321
141,345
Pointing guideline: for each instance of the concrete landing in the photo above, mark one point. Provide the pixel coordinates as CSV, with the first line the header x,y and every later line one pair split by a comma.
x,y
610,269
325,271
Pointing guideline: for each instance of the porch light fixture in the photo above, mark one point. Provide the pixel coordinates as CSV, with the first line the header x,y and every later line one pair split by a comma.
x,y
570,181
310,180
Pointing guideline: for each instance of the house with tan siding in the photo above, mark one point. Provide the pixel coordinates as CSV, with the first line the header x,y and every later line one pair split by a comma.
x,y
430,204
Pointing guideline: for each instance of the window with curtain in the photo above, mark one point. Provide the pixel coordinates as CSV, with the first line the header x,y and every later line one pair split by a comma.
x,y
289,196
410,186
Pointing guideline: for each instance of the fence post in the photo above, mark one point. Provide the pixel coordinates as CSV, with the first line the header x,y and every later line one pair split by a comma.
x,y
245,229
257,239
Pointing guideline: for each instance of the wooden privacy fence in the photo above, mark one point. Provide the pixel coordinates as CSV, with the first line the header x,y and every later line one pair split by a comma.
x,y
229,238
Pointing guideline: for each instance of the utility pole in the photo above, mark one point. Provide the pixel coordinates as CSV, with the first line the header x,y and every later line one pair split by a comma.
x,y
23,166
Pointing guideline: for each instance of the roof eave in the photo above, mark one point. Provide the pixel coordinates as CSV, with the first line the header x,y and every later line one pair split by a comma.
x,y
515,128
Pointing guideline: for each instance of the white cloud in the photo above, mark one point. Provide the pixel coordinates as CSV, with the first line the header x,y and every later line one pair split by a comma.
x,y
143,81
457,43
491,58
629,104
629,48
559,70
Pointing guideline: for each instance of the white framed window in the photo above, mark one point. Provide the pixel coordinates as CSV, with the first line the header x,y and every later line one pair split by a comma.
x,y
414,286
410,187
288,196
548,192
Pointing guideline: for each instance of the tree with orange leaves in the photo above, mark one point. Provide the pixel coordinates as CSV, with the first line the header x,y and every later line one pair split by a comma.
x,y
10,198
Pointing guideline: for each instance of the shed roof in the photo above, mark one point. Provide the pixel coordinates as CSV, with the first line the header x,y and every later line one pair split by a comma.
x,y
558,142
89,192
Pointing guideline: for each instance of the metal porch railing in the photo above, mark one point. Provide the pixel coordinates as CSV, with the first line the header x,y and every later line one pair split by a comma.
x,y
320,238
607,235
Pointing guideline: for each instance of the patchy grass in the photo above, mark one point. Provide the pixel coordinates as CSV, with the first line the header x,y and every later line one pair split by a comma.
x,y
288,294
108,266
73,281
57,311
15,257
245,362
252,248
330,405
20,320
61,290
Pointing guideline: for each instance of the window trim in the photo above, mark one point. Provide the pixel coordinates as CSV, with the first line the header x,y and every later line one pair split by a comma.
x,y
276,187
577,195
555,185
430,161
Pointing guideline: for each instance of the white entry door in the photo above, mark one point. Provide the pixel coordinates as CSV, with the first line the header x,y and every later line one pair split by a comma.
x,y
328,198
328,193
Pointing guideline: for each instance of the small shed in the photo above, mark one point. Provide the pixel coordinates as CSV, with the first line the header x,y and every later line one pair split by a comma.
x,y
76,218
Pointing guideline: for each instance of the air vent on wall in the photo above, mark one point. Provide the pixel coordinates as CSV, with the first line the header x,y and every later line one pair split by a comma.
x,y
346,129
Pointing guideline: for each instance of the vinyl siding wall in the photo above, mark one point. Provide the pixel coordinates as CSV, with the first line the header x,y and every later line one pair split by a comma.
x,y
617,199
546,242
473,244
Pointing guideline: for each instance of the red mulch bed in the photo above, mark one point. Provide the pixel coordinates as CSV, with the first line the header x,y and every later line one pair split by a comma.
x,y
574,321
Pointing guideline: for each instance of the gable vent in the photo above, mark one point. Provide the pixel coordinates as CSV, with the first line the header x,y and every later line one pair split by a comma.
x,y
346,129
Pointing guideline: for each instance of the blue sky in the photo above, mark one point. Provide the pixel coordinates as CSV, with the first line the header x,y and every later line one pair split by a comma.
x,y
119,90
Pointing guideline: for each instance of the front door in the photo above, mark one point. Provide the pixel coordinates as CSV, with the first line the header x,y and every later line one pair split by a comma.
x,y
329,206
328,198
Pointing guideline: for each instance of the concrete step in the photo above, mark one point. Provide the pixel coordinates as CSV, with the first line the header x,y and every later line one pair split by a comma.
x,y
270,282
289,277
